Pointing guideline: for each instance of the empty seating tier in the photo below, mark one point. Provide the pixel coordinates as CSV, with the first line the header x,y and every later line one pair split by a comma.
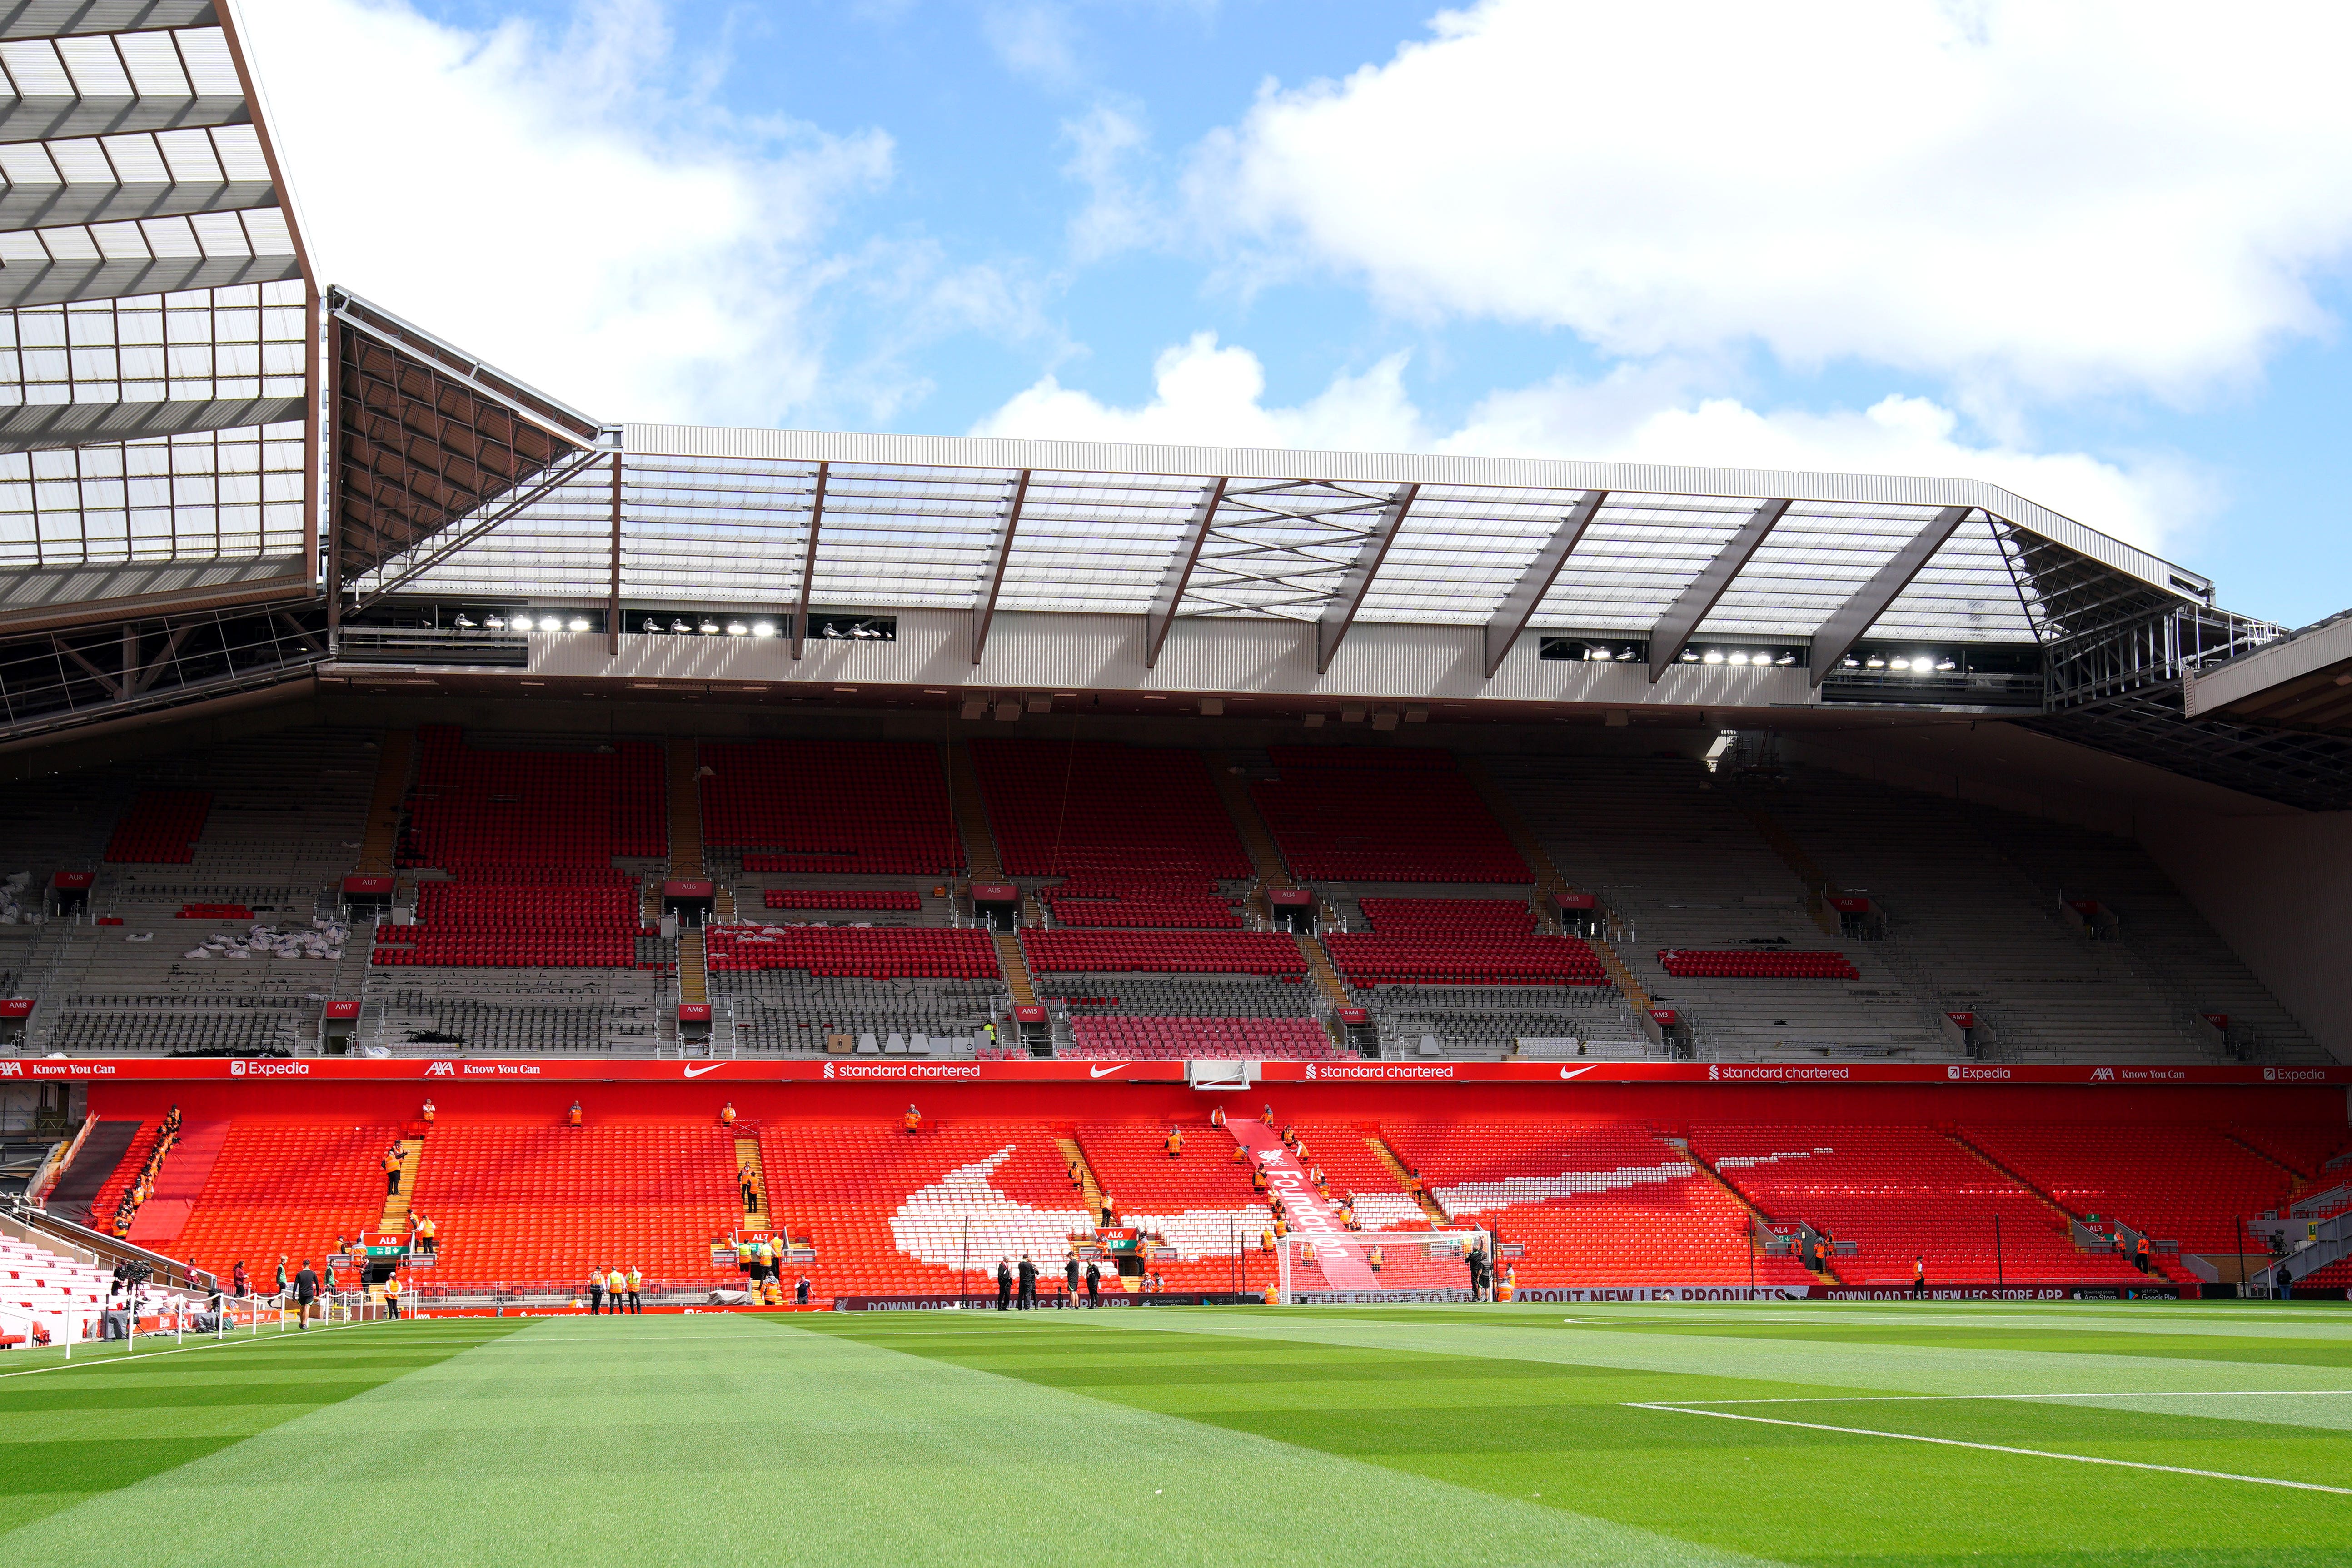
x,y
1449,916
1594,1200
1061,808
1374,959
286,1188
534,810
861,807
1104,899
161,828
1236,953
1901,1194
1335,817
2189,1185
1202,1039
1689,963
214,912
494,923
872,954
840,899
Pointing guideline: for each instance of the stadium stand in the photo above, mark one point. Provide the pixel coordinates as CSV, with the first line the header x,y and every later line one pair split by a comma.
x,y
285,1186
2188,1184
1066,808
526,1205
1592,1201
839,899
843,806
1389,816
1894,1193
1678,865
1236,1039
161,828
1168,953
1693,963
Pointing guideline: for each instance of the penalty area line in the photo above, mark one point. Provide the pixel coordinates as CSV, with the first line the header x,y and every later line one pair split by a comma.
x,y
1933,1398
1993,1447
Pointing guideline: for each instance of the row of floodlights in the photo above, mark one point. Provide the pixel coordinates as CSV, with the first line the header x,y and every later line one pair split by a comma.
x,y
1918,664
1737,656
678,626
497,623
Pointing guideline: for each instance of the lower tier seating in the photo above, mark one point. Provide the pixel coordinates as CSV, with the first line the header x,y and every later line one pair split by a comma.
x,y
1366,959
2189,1185
1083,994
285,1188
1220,952
1594,1200
1900,1193
1237,1039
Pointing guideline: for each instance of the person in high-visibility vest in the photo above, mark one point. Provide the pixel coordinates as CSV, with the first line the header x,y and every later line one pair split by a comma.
x,y
1217,1117
1241,1153
427,1234
1265,1241
912,1120
392,1171
2142,1258
1175,1142
727,1114
1375,1260
573,1114
428,1111
391,1296
616,1288
637,1290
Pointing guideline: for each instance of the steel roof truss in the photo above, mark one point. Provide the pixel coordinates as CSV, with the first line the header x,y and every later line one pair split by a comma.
x,y
983,611
1672,632
1162,614
808,560
1518,606
1835,637
1357,581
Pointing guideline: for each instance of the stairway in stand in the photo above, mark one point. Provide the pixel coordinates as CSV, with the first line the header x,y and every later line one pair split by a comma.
x,y
747,1163
1379,1144
1547,878
684,808
381,839
982,864
1075,1156
395,1204
693,968
1308,1214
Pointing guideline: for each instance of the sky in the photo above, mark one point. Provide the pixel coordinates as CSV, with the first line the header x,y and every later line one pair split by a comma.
x,y
2098,253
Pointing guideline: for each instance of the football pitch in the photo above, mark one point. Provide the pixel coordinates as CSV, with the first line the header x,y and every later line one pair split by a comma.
x,y
1804,1434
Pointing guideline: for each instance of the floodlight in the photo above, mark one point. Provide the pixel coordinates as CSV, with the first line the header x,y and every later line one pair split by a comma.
x,y
763,628
463,624
1689,657
1786,659
1738,658
1629,655
1601,654
678,625
1945,665
496,623
577,624
1874,662
738,629
652,624
1921,664
1714,655
707,628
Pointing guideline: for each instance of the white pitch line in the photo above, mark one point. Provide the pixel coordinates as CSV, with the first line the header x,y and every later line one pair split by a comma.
x,y
212,1343
1905,1398
1994,1447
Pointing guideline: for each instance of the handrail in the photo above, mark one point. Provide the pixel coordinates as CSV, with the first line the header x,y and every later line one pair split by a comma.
x,y
171,1272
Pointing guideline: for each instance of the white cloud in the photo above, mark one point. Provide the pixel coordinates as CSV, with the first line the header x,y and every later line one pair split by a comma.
x,y
1213,396
1209,395
1034,38
536,197
2049,195
1106,144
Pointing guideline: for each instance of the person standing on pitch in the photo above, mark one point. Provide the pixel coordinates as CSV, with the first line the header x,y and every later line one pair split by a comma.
x,y
1004,1284
800,1290
1919,1277
616,1289
595,1291
306,1291
1028,1284
1070,1281
1094,1286
637,1290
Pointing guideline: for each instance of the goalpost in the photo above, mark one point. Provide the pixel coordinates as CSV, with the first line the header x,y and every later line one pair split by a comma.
x,y
1386,1262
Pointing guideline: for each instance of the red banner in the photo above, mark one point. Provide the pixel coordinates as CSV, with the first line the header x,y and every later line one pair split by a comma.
x,y
811,1069
368,885
17,1007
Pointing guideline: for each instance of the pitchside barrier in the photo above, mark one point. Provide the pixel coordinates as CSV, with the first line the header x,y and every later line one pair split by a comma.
x,y
1359,1268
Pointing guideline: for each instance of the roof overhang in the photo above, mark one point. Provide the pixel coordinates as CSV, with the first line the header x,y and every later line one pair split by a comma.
x,y
2300,682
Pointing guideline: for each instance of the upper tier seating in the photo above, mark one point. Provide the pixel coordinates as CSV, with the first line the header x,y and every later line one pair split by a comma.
x,y
160,828
852,806
286,1185
1594,1200
1059,808
1901,1192
1372,958
1342,817
1448,916
1202,1039
839,950
529,1204
1109,900
1755,963
1237,953
2186,1184
1141,994
593,923
533,812
840,899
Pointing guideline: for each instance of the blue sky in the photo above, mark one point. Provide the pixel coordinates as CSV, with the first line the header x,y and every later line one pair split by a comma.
x,y
2091,252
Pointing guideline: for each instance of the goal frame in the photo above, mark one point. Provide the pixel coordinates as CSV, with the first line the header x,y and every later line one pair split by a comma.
x,y
1457,1239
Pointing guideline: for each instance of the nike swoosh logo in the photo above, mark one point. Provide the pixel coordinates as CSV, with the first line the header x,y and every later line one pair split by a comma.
x,y
1576,1072
698,1072
1101,1072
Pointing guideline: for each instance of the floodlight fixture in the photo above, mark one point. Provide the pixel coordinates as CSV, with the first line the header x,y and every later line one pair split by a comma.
x,y
763,628
577,624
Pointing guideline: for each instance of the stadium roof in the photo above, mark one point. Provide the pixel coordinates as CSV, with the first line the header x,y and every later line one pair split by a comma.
x,y
2302,681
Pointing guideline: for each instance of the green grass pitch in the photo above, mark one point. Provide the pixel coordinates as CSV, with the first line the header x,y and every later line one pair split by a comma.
x,y
1836,1435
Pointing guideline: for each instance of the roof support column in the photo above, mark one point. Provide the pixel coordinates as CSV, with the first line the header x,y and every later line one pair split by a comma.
x,y
1518,606
1333,624
612,593
1673,631
1835,637
808,561
992,575
1170,594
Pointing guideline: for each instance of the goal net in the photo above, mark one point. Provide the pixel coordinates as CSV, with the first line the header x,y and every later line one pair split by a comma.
x,y
1362,1265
